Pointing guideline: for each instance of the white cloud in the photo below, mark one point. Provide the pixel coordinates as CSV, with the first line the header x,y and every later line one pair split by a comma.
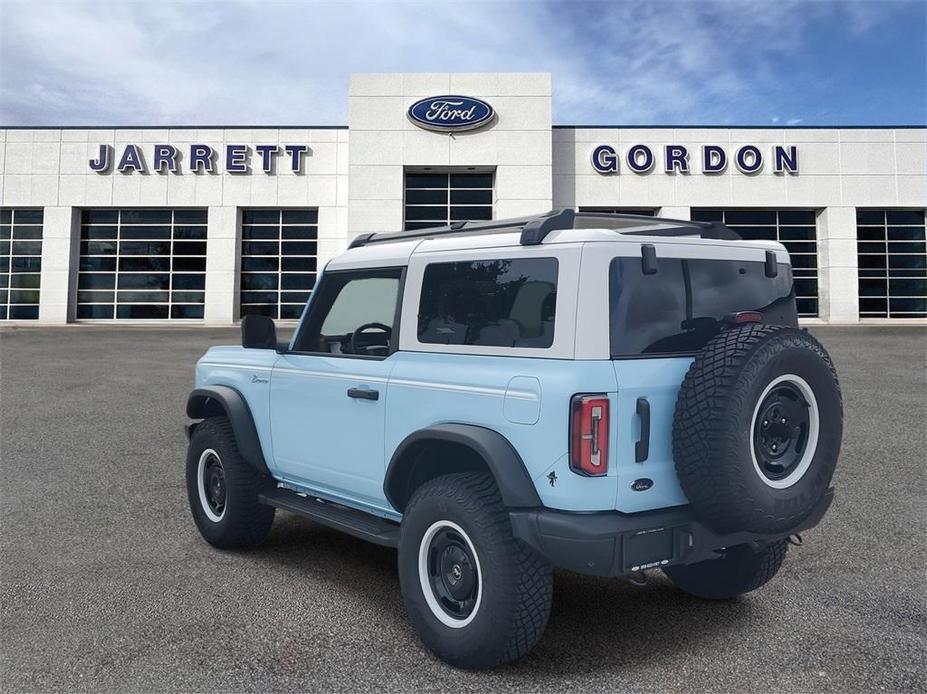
x,y
108,62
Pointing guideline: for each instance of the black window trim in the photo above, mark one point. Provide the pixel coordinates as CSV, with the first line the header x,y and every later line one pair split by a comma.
x,y
324,277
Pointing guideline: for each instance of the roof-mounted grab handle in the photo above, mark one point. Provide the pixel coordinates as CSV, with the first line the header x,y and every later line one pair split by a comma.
x,y
535,231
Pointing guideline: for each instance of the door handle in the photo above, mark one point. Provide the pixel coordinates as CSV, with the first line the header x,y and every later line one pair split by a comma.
x,y
642,447
364,393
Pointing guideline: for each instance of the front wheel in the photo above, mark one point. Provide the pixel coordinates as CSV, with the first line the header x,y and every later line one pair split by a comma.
x,y
741,569
223,489
476,596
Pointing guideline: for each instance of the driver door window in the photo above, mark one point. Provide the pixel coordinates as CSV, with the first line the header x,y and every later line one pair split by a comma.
x,y
352,314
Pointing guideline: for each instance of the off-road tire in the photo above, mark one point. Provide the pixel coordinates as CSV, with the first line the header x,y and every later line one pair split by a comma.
x,y
742,569
245,521
713,428
516,585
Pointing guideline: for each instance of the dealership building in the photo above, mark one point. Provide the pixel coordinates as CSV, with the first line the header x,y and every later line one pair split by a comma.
x,y
203,225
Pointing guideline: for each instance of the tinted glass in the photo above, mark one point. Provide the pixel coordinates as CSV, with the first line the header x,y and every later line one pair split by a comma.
x,y
436,199
281,242
490,303
892,262
20,262
347,302
680,307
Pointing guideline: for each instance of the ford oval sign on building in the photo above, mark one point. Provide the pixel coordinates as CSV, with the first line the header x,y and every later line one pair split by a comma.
x,y
450,113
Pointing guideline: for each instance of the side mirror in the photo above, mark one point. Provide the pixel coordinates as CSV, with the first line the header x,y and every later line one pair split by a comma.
x,y
258,332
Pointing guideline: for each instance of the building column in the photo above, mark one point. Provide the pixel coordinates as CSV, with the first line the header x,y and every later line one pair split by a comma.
x,y
223,251
838,273
60,259
676,212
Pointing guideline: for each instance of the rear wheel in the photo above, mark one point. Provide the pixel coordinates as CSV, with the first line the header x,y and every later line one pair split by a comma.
x,y
476,596
740,570
223,489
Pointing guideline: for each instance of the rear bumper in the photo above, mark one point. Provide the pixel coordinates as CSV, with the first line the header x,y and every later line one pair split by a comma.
x,y
611,543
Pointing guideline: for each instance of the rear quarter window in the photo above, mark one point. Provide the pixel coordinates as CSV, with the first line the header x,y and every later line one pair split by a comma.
x,y
491,303
678,309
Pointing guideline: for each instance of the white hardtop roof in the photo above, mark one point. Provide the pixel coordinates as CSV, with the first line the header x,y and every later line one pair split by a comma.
x,y
630,230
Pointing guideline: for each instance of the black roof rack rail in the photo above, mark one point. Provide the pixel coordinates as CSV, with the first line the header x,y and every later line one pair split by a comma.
x,y
535,229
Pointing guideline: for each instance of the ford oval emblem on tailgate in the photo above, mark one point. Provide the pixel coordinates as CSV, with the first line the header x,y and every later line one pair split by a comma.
x,y
641,484
450,113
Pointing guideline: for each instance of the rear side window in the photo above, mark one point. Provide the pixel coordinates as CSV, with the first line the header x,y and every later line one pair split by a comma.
x,y
678,309
491,303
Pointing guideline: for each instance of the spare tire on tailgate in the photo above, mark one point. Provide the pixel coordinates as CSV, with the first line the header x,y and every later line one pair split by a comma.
x,y
757,429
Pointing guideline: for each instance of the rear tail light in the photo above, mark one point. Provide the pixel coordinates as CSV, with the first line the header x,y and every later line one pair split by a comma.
x,y
589,435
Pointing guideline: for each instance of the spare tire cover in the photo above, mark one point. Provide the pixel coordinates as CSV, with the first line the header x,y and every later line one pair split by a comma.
x,y
757,429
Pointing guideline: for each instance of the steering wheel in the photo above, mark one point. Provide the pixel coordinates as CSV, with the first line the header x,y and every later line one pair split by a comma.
x,y
357,348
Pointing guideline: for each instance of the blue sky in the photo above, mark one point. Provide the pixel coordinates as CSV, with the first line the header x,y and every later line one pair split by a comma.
x,y
746,62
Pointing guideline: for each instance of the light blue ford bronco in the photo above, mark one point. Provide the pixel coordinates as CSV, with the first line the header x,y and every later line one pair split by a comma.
x,y
607,394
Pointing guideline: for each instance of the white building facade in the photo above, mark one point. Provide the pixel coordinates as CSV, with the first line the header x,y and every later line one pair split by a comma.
x,y
205,224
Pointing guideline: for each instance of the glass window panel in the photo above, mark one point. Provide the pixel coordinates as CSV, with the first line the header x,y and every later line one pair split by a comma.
x,y
470,213
294,297
806,307
299,248
874,217
189,248
98,247
87,263
27,233
421,213
260,248
291,311
100,216
95,310
24,296
426,197
93,297
295,233
300,216
870,233
145,216
471,180
190,233
25,264
873,287
96,281
144,281
6,232
906,233
187,297
870,247
797,233
267,263
249,297
471,197
750,217
25,281
259,310
6,216
796,217
294,281
142,297
907,261
908,305
27,248
907,287
893,247
182,264
426,180
189,216
4,263
259,281
497,303
298,264
143,232
88,232
914,217
141,311
23,312
3,311
145,247
870,305
143,264
28,216
260,233
187,311
189,281
255,216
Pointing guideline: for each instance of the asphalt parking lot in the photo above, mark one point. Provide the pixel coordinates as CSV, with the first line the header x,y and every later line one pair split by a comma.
x,y
106,585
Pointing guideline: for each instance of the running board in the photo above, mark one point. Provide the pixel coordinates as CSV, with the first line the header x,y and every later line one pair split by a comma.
x,y
357,523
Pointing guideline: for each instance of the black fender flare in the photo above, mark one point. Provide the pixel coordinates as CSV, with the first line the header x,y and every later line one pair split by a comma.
x,y
203,402
503,461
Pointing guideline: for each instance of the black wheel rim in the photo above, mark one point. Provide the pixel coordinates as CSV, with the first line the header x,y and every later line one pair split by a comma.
x,y
453,573
780,432
214,484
